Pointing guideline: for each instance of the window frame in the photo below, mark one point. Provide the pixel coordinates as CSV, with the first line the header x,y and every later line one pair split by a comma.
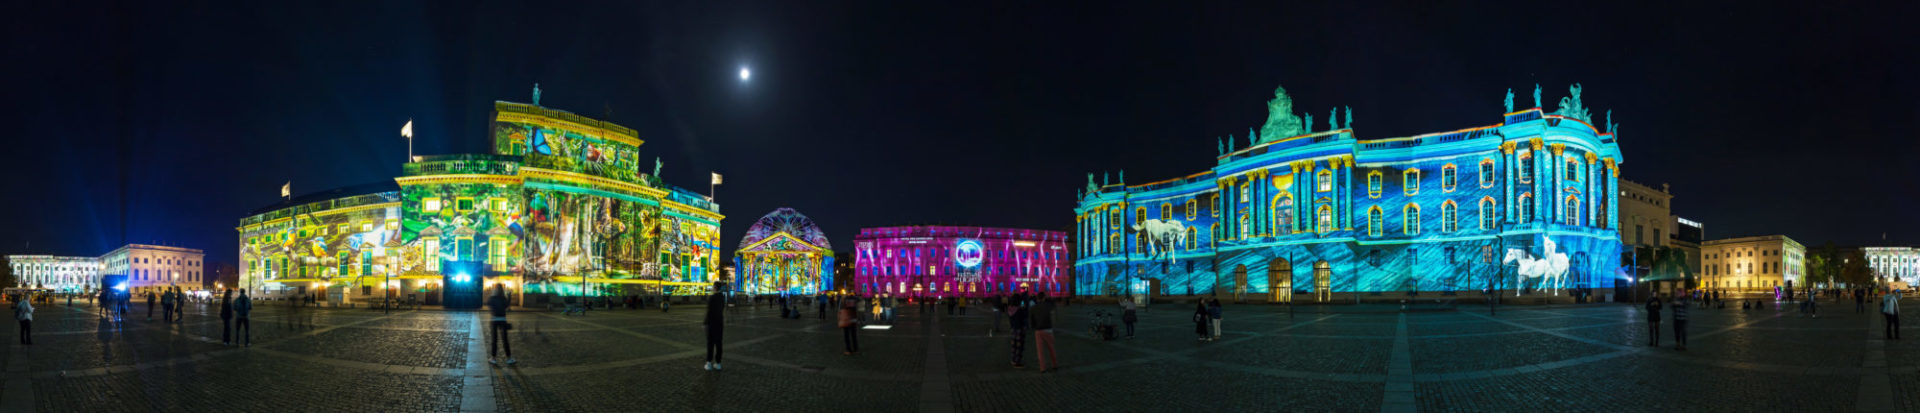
x,y
1323,181
1449,217
1449,178
1375,217
1410,219
1375,181
1410,181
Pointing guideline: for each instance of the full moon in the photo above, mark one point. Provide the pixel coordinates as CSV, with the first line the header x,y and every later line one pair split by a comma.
x,y
745,74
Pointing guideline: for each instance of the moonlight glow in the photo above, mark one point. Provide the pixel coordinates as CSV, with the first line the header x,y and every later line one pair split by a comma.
x,y
745,74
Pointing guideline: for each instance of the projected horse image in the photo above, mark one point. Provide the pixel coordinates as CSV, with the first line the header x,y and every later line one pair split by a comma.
x,y
1550,271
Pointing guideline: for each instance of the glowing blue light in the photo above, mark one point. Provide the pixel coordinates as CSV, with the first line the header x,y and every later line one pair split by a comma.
x,y
462,278
121,287
968,253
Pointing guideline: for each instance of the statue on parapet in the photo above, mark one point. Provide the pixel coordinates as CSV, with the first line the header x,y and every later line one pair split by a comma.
x,y
536,94
1349,117
1333,119
1280,120
1570,106
1509,101
1536,95
1091,188
1306,127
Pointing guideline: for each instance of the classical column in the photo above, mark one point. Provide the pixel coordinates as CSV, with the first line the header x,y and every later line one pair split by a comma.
x,y
1507,183
1594,194
1534,168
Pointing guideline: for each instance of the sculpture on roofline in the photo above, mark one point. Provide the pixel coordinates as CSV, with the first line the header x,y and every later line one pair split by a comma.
x,y
1106,178
1219,147
1252,136
1570,106
1536,95
1123,177
1349,117
1333,119
1090,187
1509,101
1280,120
1306,127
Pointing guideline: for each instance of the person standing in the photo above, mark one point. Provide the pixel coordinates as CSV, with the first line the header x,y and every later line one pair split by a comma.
x,y
1213,312
497,306
226,318
1890,308
821,301
241,308
1018,320
963,304
849,327
1201,318
1127,315
1653,321
715,323
23,312
1680,322
150,304
1859,300
1043,334
179,305
166,305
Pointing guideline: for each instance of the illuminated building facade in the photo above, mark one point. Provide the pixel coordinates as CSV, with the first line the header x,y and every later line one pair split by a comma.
x,y
1526,205
947,261
1894,265
784,253
148,268
63,274
1753,263
560,207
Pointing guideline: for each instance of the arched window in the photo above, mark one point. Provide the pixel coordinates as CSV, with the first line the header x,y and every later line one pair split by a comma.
x,y
1166,211
1374,219
1193,236
1573,210
1213,239
1487,220
1525,166
1113,243
1243,193
1324,180
1374,181
1410,181
1283,215
1139,237
1243,226
1193,209
1526,208
1324,217
1449,176
1449,216
1486,173
1410,219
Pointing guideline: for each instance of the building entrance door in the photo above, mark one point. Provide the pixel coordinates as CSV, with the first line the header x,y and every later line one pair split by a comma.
x,y
1280,281
1323,281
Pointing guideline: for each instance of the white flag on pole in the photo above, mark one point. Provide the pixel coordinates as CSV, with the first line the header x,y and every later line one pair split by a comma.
x,y
716,178
407,130
286,190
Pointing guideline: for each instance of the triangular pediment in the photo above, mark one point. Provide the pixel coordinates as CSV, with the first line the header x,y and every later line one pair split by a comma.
x,y
780,242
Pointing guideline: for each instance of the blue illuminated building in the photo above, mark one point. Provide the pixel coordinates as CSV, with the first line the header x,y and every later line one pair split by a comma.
x,y
1524,206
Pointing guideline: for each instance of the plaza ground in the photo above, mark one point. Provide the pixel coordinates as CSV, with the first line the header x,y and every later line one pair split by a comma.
x,y
1337,358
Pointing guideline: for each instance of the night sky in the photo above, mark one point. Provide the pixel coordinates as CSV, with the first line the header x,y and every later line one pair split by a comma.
x,y
1792,119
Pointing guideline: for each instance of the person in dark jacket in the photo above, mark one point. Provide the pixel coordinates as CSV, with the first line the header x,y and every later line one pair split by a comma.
x,y
1859,300
1127,315
1680,322
241,308
1042,320
850,326
150,304
1019,317
715,324
1201,318
497,306
166,305
1653,321
226,319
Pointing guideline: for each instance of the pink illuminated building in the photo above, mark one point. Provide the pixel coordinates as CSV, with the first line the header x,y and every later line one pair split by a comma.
x,y
947,261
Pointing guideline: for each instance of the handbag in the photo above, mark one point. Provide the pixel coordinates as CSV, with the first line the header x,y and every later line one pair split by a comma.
x,y
1198,318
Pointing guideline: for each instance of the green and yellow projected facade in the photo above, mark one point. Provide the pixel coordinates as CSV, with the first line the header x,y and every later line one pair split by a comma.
x,y
561,207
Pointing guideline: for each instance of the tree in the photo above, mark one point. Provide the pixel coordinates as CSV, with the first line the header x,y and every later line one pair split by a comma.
x,y
1854,270
6,272
1817,270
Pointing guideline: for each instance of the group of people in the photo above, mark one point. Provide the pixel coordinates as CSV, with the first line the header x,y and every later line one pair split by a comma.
x,y
1889,311
1206,320
173,303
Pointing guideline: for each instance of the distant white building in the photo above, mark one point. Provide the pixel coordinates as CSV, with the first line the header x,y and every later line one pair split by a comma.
x,y
67,274
1894,264
148,267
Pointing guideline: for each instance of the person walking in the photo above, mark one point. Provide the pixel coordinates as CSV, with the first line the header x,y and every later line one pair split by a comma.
x,y
1213,313
1680,322
166,305
1859,300
1653,321
1043,334
1890,308
1018,322
1127,315
963,304
241,325
497,306
999,304
23,312
821,301
1201,318
849,327
226,318
150,304
179,305
715,323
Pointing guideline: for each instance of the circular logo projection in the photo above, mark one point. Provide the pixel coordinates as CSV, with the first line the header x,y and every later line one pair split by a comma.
x,y
968,253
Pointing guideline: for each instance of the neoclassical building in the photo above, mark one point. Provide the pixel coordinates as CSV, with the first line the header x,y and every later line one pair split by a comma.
x,y
784,253
1524,205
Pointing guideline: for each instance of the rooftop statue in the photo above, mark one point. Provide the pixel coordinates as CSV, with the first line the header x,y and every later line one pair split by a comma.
x,y
1306,127
1570,105
1123,177
1613,128
1252,136
1106,178
1509,101
1349,117
536,94
1536,95
1219,146
1091,188
1333,119
1280,120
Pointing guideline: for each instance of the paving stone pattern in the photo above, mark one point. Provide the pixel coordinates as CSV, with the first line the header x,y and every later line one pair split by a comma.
x,y
1337,358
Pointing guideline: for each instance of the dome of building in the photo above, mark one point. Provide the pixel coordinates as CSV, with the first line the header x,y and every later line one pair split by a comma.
x,y
789,221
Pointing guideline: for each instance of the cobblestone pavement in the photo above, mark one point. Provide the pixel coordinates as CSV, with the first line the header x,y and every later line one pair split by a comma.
x,y
1343,358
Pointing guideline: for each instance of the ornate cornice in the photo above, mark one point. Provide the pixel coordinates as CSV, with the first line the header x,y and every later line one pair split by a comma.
x,y
1508,147
1558,148
1536,143
1591,158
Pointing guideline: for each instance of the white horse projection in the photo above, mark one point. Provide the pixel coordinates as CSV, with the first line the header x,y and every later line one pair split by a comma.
x,y
1551,270
1163,236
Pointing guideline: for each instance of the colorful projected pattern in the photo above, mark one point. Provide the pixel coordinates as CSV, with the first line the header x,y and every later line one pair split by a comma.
x,y
1525,206
946,261
784,253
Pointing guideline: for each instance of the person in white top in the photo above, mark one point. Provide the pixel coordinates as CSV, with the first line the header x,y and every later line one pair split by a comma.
x,y
1890,307
23,311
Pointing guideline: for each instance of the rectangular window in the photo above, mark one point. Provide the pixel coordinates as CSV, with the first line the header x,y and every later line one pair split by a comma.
x,y
1243,193
393,224
1373,184
499,205
464,204
1410,181
1486,174
430,252
1448,177
430,204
